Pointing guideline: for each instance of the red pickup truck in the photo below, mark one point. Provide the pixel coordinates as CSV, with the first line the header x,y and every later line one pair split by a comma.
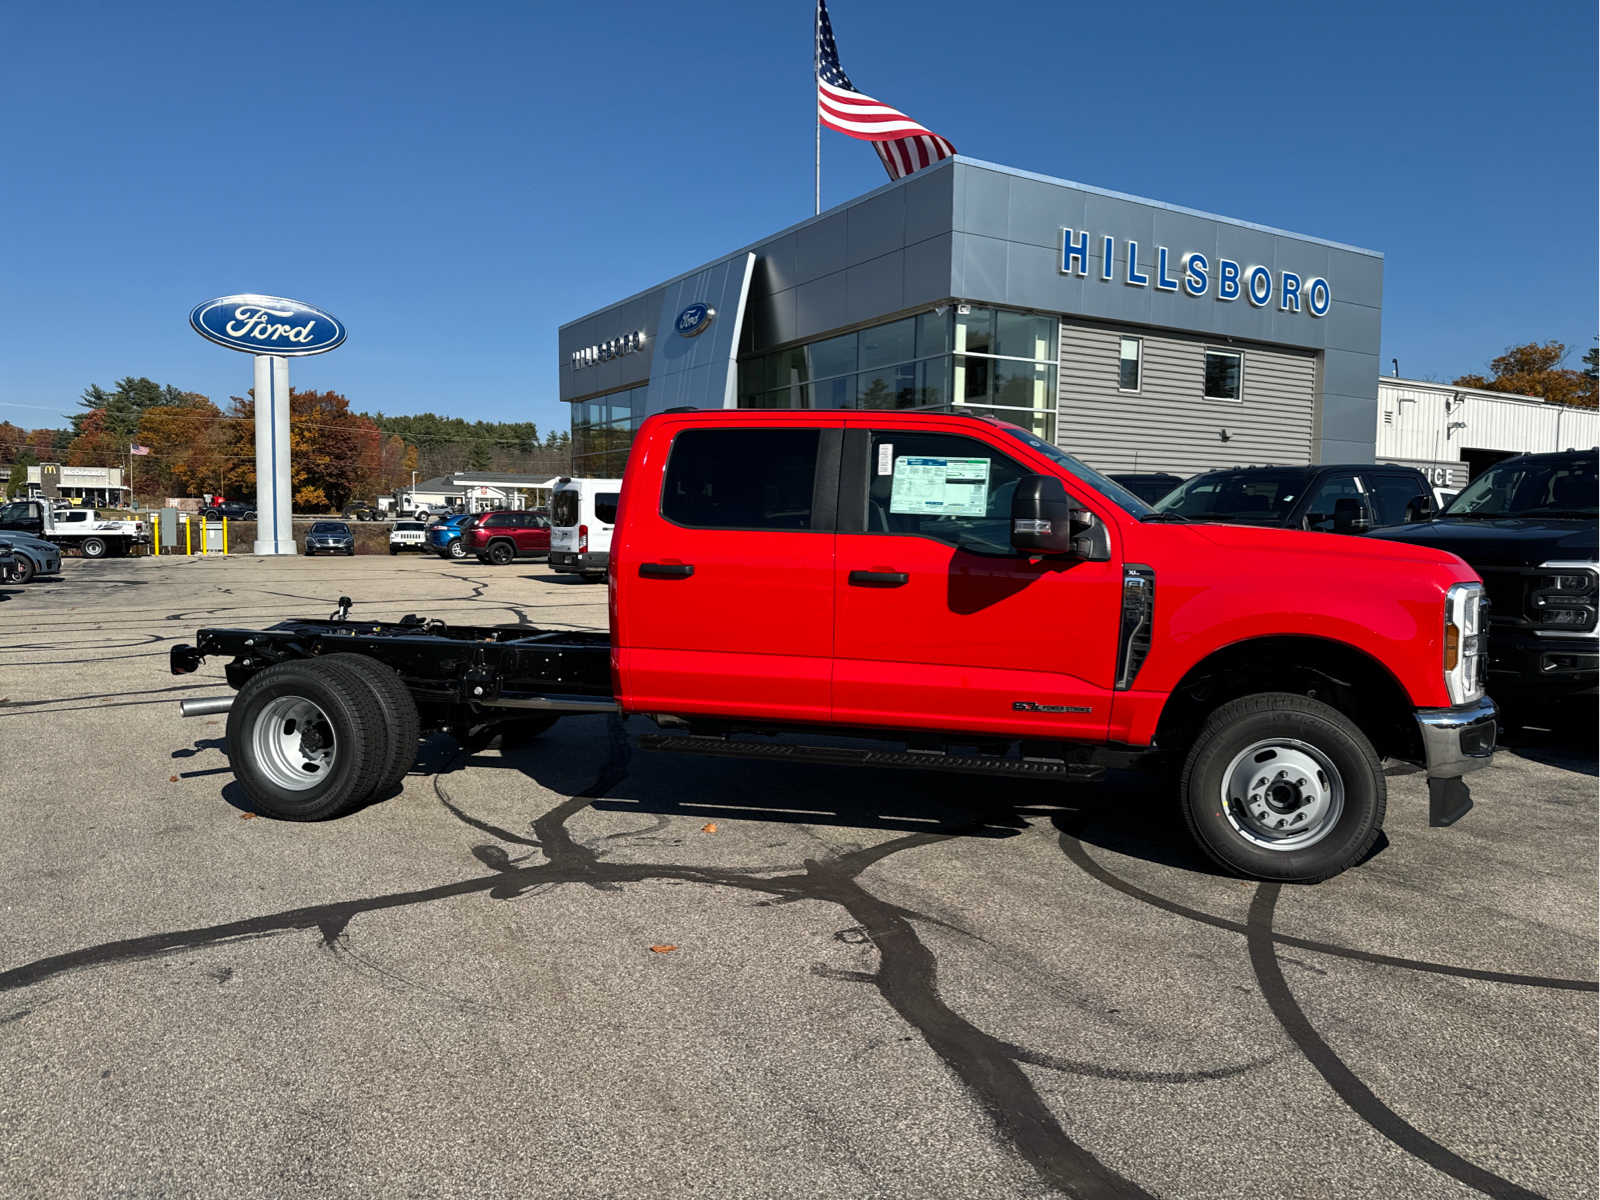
x,y
948,592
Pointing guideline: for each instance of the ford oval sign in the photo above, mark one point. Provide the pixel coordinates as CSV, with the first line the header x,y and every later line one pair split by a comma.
x,y
693,320
267,325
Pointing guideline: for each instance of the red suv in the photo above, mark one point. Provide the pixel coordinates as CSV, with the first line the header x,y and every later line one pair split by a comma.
x,y
498,537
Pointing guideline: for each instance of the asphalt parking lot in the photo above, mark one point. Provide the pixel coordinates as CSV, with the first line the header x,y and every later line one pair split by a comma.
x,y
583,970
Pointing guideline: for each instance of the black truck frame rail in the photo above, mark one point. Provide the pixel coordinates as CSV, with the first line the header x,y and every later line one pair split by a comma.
x,y
457,674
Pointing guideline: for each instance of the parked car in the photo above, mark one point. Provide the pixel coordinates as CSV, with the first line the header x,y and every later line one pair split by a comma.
x,y
444,536
30,557
407,535
927,590
500,536
582,513
358,511
330,537
1527,526
1323,498
1149,486
234,510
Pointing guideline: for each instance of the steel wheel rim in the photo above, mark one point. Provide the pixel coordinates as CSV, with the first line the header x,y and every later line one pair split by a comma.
x,y
1282,794
294,743
457,550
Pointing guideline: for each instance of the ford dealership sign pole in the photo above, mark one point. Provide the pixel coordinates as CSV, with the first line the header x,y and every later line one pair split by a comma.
x,y
274,330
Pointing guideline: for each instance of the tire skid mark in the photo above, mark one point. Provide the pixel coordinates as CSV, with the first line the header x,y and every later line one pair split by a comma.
x,y
1073,848
988,1068
1338,1076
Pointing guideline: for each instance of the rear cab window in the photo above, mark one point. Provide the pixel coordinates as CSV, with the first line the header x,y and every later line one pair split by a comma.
x,y
733,478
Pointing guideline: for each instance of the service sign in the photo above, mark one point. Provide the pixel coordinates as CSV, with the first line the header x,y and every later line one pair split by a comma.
x,y
267,325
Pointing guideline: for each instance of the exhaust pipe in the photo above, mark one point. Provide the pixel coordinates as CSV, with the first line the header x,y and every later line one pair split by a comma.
x,y
208,706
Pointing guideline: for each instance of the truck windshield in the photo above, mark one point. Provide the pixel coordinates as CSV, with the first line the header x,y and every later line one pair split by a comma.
x,y
1536,486
1250,497
1109,488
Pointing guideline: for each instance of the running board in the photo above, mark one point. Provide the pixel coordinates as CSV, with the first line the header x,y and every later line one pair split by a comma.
x,y
849,756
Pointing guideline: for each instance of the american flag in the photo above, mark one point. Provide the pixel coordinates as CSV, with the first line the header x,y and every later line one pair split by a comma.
x,y
902,144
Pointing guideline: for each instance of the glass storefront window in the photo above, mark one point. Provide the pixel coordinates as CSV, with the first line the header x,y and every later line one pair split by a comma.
x,y
836,356
882,345
933,333
1022,385
1025,335
975,331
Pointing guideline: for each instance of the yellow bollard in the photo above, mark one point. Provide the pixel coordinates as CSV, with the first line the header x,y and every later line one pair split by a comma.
x,y
224,537
188,536
202,535
155,534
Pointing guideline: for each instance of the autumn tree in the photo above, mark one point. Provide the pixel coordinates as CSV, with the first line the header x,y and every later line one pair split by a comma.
x,y
1535,369
186,444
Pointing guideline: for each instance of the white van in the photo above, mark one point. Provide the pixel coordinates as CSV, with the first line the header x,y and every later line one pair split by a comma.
x,y
582,515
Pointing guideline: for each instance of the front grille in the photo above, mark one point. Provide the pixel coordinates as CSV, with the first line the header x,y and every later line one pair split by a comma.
x,y
1507,592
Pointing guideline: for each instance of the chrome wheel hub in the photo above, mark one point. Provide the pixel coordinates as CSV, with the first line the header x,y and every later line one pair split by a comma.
x,y
294,743
1282,794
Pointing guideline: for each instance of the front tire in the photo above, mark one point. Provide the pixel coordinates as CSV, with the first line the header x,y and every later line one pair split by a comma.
x,y
23,570
307,740
1281,787
94,547
394,549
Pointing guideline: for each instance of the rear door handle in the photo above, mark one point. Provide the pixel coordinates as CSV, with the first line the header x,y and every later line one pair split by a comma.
x,y
881,579
666,570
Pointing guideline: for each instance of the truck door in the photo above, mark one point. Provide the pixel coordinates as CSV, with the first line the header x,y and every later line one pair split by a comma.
x,y
25,516
723,571
941,624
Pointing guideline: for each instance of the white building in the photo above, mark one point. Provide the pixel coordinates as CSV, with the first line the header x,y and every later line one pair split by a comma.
x,y
1452,433
476,491
93,487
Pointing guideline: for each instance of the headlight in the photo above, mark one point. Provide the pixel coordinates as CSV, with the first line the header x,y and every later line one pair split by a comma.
x,y
1463,642
1562,596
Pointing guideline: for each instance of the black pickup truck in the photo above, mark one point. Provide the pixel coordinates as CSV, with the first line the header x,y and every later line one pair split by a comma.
x,y
1527,527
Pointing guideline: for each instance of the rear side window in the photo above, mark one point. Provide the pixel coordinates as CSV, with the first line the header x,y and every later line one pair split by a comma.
x,y
605,507
564,509
740,479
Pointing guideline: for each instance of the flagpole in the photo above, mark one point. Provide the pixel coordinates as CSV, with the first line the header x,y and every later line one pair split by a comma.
x,y
816,67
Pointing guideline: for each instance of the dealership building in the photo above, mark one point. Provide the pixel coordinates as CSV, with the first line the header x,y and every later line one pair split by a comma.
x,y
1139,335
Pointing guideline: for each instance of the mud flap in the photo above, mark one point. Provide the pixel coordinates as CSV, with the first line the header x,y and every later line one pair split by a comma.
x,y
1448,801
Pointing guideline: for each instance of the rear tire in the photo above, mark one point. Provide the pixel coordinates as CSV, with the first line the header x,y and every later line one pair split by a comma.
x,y
307,740
457,550
93,547
501,554
400,720
1281,787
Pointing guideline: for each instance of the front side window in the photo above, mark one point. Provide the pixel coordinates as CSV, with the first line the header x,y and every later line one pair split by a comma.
x,y
1397,499
942,486
1334,502
1128,364
1224,375
1248,497
741,479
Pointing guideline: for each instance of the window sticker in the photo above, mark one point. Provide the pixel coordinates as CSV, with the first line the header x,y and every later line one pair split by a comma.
x,y
950,487
886,459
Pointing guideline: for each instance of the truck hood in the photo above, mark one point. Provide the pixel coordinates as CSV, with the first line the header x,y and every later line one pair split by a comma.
x,y
1504,542
1332,547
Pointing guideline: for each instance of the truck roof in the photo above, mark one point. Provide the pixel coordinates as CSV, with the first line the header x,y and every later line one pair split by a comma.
x,y
803,416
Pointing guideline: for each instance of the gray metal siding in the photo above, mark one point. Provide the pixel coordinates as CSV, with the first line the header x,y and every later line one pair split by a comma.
x,y
1169,425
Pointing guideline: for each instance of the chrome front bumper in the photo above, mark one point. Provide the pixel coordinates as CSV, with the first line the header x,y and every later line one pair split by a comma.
x,y
1458,740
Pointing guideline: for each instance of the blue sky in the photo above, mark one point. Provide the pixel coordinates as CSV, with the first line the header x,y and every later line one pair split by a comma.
x,y
455,181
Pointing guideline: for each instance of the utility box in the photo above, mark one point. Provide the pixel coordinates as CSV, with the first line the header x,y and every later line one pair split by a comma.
x,y
214,538
169,528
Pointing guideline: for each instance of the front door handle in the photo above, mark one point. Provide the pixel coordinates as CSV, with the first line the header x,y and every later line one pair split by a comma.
x,y
881,579
666,570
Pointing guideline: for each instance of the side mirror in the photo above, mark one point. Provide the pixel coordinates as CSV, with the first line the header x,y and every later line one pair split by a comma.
x,y
1348,517
1044,521
1419,509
